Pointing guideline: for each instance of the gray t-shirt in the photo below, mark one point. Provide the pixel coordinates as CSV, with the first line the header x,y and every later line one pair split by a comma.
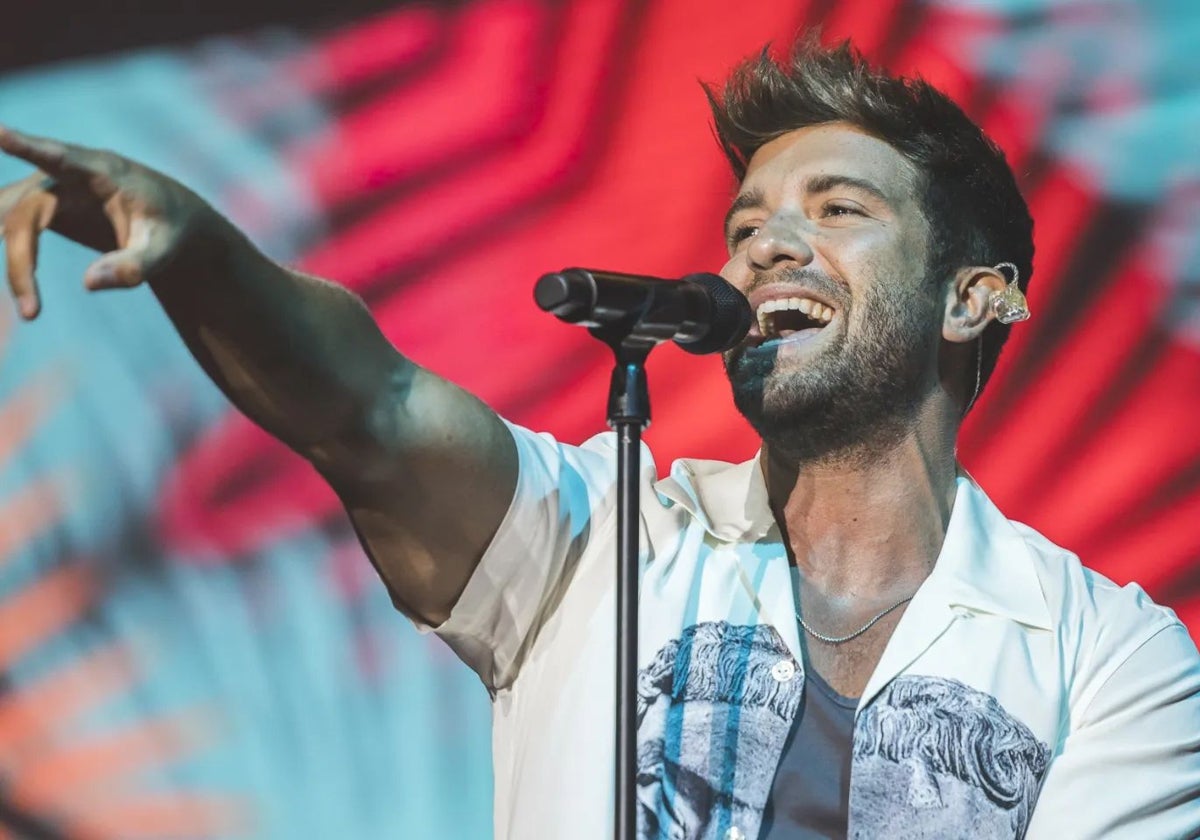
x,y
811,793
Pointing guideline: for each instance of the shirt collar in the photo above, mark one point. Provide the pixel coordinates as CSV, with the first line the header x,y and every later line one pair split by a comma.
x,y
729,500
985,564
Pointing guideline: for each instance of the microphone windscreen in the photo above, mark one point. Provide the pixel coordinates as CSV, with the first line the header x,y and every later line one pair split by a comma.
x,y
731,316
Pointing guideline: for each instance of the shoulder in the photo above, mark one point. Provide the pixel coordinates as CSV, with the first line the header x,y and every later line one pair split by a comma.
x,y
592,464
1076,593
1099,624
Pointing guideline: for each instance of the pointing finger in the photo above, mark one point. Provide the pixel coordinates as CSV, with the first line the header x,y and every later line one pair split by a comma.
x,y
42,152
62,160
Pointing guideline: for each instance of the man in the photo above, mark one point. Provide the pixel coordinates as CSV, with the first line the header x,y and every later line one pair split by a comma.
x,y
841,636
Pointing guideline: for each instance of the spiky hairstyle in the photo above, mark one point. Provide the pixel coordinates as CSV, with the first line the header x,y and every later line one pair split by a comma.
x,y
975,211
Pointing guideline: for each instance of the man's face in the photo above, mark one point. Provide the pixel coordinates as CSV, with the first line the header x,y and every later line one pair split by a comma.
x,y
828,241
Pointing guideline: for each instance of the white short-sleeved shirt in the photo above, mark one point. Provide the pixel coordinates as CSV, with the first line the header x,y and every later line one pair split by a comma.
x,y
1020,694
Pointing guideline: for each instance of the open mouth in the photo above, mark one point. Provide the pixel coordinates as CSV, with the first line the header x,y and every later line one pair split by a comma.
x,y
785,318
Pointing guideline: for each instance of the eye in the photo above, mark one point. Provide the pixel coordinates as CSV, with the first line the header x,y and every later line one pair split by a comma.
x,y
741,233
833,209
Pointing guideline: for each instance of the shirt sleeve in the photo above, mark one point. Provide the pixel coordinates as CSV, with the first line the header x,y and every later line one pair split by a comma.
x,y
1131,769
564,496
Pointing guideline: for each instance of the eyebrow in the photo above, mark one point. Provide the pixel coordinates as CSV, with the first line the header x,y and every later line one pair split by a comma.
x,y
745,201
754,198
827,183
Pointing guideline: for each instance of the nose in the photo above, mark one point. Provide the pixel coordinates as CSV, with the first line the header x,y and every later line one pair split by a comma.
x,y
780,239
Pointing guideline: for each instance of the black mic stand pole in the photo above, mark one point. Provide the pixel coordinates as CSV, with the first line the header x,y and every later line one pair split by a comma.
x,y
628,415
627,314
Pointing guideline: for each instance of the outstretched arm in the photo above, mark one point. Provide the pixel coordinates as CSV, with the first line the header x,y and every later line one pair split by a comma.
x,y
425,470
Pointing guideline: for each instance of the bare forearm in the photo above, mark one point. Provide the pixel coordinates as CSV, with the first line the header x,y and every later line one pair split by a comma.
x,y
426,471
300,356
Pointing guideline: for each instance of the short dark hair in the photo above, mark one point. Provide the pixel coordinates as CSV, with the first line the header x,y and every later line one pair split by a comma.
x,y
975,211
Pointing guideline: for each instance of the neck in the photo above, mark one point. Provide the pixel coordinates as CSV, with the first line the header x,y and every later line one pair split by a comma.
x,y
868,530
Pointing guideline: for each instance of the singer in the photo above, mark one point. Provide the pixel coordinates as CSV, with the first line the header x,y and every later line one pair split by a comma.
x,y
840,637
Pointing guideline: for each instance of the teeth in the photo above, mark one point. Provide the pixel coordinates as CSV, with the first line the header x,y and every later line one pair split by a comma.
x,y
764,322
809,307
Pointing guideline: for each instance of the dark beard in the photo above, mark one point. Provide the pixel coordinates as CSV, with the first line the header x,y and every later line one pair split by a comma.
x,y
858,398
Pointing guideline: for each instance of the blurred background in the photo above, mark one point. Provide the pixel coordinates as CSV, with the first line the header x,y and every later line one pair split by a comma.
x,y
191,642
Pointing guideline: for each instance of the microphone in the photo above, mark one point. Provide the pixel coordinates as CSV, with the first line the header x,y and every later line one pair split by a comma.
x,y
701,313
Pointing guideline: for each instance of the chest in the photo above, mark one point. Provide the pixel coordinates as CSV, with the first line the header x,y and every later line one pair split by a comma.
x,y
722,675
848,666
924,751
948,698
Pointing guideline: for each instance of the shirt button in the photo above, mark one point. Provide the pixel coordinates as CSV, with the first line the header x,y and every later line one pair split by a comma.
x,y
782,671
736,833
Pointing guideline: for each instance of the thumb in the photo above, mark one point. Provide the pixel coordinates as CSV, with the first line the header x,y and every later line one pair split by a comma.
x,y
131,265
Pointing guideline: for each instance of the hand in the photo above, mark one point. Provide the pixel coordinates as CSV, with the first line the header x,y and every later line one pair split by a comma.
x,y
139,218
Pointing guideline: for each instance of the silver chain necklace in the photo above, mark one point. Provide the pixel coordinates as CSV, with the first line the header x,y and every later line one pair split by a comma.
x,y
837,640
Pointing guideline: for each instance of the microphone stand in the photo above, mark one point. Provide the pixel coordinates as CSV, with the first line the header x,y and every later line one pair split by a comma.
x,y
628,415
633,315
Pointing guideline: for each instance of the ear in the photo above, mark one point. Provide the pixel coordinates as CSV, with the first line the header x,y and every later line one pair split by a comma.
x,y
968,302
